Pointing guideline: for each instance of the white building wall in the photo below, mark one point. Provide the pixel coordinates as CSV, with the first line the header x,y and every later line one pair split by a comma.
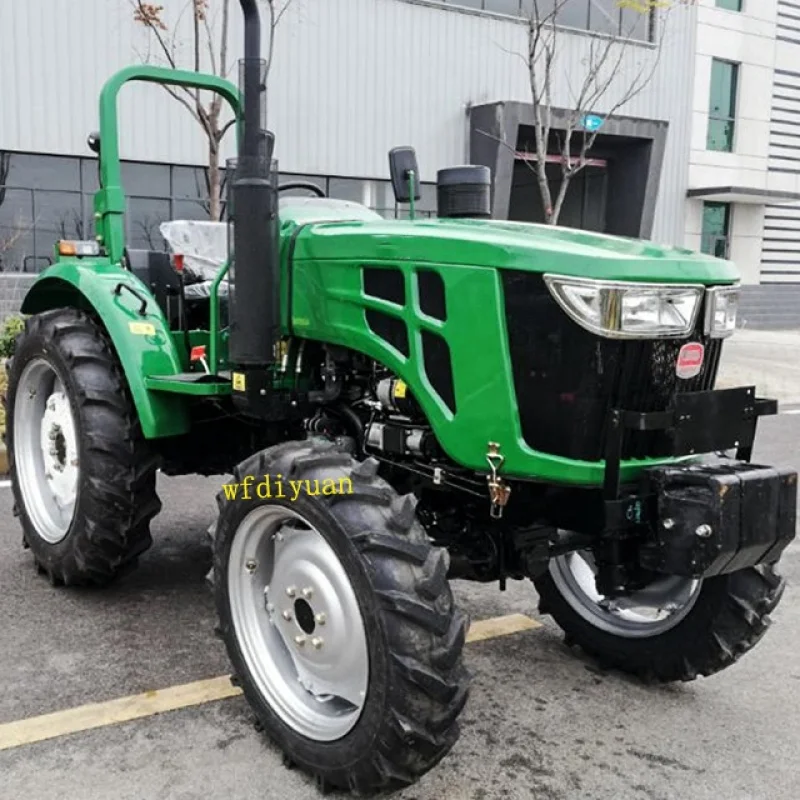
x,y
747,37
351,79
780,257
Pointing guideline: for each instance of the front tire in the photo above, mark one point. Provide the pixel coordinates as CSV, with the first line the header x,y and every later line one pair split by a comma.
x,y
83,478
339,621
681,628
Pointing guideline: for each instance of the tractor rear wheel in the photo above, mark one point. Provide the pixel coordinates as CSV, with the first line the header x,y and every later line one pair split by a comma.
x,y
675,629
338,618
83,478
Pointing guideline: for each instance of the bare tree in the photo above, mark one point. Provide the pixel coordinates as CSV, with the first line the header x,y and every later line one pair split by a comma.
x,y
208,52
5,168
149,232
10,238
70,225
599,84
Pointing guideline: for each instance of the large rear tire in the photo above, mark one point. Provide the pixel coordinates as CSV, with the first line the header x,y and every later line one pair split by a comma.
x,y
675,630
83,477
339,621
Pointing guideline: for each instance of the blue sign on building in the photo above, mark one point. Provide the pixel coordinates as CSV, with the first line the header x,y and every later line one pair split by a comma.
x,y
592,123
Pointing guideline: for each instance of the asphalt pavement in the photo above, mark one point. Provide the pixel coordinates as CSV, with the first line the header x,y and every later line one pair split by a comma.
x,y
541,722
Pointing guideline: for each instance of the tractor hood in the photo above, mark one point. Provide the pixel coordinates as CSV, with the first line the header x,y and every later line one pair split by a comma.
x,y
492,243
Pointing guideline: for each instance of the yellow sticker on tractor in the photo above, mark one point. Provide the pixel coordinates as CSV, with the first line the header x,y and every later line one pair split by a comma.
x,y
400,390
239,382
142,328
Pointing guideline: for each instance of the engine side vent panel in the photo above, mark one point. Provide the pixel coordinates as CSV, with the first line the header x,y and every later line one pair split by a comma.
x,y
385,284
438,367
431,294
391,329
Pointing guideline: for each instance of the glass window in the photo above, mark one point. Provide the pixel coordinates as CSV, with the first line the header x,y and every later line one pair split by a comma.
x,y
427,201
635,24
730,5
144,216
545,7
510,7
90,175
574,14
604,16
722,105
347,189
190,209
42,172
190,182
16,229
148,180
716,229
57,215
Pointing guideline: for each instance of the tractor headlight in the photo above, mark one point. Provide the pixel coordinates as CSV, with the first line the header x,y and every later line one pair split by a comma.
x,y
721,306
622,310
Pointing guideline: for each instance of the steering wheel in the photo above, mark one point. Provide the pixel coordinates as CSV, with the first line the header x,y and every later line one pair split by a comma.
x,y
311,187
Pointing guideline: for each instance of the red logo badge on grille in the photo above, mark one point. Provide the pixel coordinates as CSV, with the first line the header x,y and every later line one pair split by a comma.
x,y
690,360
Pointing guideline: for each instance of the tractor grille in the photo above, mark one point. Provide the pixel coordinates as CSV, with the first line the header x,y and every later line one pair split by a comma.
x,y
567,379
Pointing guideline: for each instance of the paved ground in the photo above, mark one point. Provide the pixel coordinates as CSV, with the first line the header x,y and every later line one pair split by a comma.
x,y
541,723
769,359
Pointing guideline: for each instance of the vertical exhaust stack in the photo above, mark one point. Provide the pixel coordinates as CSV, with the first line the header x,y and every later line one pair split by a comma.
x,y
253,215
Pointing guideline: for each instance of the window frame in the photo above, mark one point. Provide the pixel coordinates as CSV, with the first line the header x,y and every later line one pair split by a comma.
x,y
711,236
484,7
734,106
720,4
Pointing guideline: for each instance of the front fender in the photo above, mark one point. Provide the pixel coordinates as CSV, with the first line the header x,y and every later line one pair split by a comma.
x,y
142,342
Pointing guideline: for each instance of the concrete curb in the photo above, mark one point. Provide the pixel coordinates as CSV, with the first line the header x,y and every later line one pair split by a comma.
x,y
3,460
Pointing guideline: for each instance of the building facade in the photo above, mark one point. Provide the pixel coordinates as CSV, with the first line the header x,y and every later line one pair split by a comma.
x,y
349,80
743,200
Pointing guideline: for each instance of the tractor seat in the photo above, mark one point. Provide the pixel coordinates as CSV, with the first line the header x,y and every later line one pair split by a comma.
x,y
154,269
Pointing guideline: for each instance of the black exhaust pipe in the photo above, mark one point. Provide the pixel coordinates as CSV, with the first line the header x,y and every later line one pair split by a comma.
x,y
253,216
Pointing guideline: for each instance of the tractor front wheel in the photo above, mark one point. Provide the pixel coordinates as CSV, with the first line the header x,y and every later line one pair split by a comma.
x,y
674,629
83,478
338,618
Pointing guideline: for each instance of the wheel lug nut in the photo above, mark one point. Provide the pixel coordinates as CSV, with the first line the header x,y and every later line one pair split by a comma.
x,y
287,615
291,591
300,640
250,565
317,642
320,619
308,593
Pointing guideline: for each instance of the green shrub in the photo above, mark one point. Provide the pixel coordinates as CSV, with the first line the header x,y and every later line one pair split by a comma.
x,y
9,331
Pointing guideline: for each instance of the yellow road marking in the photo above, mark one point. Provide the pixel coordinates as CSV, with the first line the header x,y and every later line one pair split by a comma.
x,y
500,626
112,712
173,698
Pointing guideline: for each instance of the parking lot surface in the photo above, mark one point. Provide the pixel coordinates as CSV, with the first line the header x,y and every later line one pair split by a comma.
x,y
542,722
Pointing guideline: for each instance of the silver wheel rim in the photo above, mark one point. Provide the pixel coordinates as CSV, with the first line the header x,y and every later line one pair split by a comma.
x,y
650,611
46,450
298,623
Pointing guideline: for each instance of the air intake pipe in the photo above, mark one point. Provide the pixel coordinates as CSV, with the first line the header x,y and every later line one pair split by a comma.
x,y
253,238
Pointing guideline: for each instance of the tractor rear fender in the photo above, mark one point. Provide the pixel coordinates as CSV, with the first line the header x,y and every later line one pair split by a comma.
x,y
135,324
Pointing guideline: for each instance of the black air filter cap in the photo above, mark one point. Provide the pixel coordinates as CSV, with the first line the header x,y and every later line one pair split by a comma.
x,y
464,191
467,174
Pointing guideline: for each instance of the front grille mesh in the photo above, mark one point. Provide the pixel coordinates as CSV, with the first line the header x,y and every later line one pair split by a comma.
x,y
567,379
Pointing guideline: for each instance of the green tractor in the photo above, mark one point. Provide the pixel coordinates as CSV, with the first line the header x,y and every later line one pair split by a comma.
x,y
400,403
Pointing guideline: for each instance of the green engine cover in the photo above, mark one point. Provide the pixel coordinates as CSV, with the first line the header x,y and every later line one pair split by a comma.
x,y
329,303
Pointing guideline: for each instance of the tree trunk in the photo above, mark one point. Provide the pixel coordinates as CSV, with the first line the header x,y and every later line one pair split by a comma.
x,y
214,184
562,193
